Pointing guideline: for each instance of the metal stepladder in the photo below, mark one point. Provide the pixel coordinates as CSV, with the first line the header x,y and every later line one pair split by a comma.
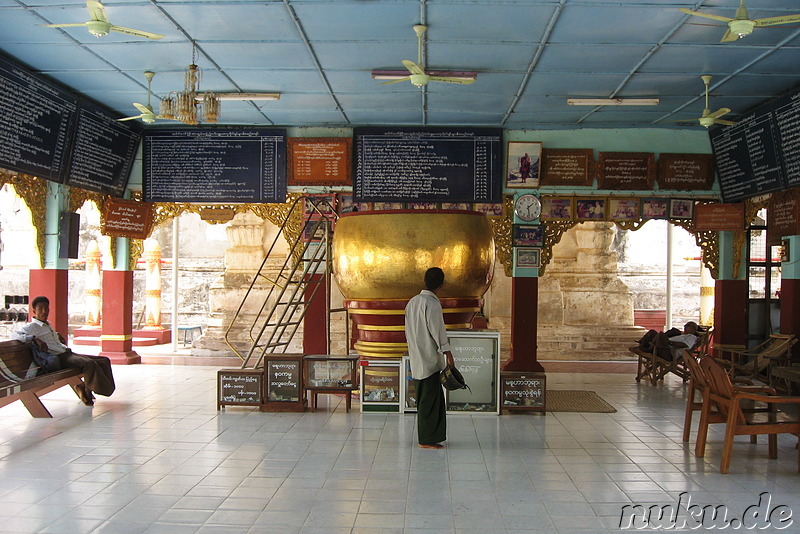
x,y
306,269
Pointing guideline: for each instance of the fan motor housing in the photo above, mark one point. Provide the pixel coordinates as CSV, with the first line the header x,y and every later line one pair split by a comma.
x,y
98,28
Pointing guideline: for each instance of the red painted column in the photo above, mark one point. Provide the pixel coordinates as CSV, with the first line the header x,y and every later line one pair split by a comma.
x,y
314,339
730,304
790,311
53,284
524,316
117,327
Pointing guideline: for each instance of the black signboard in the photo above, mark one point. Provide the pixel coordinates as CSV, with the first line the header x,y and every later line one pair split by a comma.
x,y
524,392
36,122
787,122
428,164
215,165
240,386
747,159
102,152
283,380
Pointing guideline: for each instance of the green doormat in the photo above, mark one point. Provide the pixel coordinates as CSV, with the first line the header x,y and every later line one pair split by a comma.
x,y
573,400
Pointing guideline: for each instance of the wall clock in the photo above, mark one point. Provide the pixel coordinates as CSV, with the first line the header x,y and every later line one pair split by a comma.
x,y
527,207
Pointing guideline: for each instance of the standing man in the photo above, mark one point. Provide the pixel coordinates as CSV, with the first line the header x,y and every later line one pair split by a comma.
x,y
427,343
96,370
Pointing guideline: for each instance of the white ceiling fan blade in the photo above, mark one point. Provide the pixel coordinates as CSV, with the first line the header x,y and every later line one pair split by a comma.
x,y
726,123
705,15
143,109
729,37
446,79
96,10
412,67
396,81
130,118
772,21
64,25
136,33
719,113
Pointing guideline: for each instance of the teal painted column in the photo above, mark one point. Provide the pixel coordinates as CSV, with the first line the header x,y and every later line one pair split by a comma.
x,y
52,280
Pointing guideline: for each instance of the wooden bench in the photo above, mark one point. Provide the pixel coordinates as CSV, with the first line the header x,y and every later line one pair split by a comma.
x,y
18,380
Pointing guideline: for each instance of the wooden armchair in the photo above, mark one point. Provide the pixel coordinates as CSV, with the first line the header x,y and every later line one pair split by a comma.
x,y
727,401
753,362
698,384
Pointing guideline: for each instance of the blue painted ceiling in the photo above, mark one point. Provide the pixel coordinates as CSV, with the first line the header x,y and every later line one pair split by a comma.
x,y
530,55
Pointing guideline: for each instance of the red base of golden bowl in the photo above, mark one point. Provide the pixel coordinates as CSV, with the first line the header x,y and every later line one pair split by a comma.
x,y
380,323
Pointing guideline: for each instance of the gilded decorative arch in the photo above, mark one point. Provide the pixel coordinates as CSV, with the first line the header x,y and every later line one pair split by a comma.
x,y
33,191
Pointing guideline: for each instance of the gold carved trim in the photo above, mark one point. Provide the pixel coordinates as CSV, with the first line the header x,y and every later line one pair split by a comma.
x,y
502,229
33,191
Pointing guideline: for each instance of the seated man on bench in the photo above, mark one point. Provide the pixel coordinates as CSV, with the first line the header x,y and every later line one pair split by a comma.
x,y
672,339
96,370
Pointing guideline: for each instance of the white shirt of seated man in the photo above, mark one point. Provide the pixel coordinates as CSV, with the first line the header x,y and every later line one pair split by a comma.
x,y
40,332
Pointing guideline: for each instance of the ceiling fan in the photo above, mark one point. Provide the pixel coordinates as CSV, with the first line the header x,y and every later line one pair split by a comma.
x,y
742,25
147,115
707,118
99,25
418,75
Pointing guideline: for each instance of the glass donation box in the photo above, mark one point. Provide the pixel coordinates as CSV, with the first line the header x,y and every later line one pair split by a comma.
x,y
380,386
284,383
476,354
330,374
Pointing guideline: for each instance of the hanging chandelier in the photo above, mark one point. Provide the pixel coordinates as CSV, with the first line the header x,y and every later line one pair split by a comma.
x,y
191,106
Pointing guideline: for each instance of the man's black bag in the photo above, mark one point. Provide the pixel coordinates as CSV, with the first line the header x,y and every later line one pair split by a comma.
x,y
47,362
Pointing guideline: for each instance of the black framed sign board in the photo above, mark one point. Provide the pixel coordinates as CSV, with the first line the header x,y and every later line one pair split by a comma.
x,y
761,152
428,164
102,151
37,119
215,165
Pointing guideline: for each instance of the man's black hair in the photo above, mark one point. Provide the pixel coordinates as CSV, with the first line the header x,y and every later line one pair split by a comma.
x,y
40,300
434,278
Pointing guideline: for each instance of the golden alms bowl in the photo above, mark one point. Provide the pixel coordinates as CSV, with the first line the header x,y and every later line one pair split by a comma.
x,y
384,254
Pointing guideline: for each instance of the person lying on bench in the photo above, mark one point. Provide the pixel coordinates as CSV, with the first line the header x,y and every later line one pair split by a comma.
x,y
96,370
672,341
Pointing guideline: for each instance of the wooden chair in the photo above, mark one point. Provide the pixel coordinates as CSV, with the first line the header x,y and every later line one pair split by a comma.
x,y
726,401
698,384
664,359
753,362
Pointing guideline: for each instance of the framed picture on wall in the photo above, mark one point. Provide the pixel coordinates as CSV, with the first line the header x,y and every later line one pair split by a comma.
x,y
325,204
655,208
422,205
388,206
588,209
523,164
528,235
681,208
455,206
346,204
556,208
491,210
623,209
528,257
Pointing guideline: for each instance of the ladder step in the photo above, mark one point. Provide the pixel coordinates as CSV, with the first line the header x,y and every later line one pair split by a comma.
x,y
291,323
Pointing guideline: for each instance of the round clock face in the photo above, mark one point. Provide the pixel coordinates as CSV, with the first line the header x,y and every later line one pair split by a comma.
x,y
527,207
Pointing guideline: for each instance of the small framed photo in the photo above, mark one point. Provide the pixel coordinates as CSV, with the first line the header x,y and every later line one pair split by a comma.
x,y
785,251
524,164
388,206
527,235
623,209
325,203
422,205
556,208
681,208
655,208
455,206
312,232
587,209
491,210
528,257
346,204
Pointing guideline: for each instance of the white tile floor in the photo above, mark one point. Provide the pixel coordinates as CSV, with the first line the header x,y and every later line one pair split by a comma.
x,y
158,457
